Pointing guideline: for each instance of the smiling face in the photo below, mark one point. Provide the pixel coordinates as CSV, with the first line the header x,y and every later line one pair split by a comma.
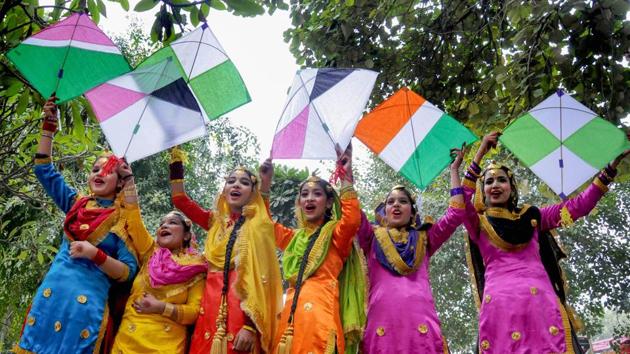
x,y
238,189
497,188
398,209
173,233
103,186
314,202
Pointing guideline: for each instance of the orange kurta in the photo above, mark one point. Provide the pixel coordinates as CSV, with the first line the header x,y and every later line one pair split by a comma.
x,y
317,320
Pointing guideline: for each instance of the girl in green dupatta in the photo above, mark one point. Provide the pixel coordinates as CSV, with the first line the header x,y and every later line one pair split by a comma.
x,y
324,310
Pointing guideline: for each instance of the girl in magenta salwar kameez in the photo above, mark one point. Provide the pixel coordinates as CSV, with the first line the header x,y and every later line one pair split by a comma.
x,y
401,311
513,258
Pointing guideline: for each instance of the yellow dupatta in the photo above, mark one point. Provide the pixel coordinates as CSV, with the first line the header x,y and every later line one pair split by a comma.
x,y
258,284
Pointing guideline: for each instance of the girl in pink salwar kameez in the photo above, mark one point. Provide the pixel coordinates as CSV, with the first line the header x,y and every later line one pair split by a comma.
x,y
513,258
401,310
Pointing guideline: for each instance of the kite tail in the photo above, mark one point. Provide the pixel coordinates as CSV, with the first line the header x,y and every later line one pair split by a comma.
x,y
339,174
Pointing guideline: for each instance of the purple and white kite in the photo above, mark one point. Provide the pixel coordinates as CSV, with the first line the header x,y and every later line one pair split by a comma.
x,y
322,111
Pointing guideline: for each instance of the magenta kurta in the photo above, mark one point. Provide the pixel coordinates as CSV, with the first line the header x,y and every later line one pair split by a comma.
x,y
401,310
520,311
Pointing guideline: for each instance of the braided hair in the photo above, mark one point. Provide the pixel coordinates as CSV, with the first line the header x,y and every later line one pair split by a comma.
x,y
228,253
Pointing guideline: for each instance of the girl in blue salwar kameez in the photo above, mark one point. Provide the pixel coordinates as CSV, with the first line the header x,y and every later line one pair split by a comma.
x,y
69,312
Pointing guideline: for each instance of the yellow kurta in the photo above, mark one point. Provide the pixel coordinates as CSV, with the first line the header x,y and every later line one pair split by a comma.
x,y
155,333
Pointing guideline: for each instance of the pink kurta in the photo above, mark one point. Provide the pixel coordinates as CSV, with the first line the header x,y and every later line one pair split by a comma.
x,y
520,312
401,311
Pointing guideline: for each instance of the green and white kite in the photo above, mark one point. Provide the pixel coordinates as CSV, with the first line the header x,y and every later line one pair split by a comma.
x,y
68,58
211,75
563,142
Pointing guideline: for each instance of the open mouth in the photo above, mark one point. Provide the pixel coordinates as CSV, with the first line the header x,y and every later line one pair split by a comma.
x,y
496,194
235,194
98,181
309,208
397,212
164,233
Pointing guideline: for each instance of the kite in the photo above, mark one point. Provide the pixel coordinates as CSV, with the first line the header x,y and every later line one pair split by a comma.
x,y
206,68
68,58
321,112
412,136
563,142
147,110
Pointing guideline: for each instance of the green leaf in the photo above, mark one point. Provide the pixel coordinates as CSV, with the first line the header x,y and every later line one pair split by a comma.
x,y
218,5
94,13
101,7
23,102
473,108
145,5
40,257
194,16
349,3
124,4
77,120
245,7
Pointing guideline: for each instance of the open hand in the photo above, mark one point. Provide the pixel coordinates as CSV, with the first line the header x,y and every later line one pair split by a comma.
x,y
458,156
344,159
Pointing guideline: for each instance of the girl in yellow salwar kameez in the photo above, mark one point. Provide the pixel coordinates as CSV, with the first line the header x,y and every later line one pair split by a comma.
x,y
167,292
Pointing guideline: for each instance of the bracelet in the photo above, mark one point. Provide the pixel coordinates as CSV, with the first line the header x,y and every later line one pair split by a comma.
x,y
176,170
48,136
100,257
168,309
48,126
457,191
249,328
475,168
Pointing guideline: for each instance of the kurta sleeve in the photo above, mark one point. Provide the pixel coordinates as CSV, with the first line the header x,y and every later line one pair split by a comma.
x,y
577,207
186,314
140,236
442,230
192,210
124,255
365,234
282,233
349,224
54,184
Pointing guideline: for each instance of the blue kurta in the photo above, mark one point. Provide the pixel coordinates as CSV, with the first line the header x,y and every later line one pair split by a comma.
x,y
68,313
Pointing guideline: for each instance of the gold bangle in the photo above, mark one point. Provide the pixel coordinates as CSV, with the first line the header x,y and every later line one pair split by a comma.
x,y
168,309
249,328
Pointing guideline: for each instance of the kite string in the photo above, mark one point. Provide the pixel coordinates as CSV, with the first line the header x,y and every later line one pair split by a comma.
x,y
65,57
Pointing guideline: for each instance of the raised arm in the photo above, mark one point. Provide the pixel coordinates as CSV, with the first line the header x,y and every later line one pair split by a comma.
x,y
52,181
471,218
282,234
566,212
350,221
189,207
140,236
441,231
365,234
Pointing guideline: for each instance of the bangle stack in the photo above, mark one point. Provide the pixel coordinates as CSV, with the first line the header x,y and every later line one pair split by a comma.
x,y
457,191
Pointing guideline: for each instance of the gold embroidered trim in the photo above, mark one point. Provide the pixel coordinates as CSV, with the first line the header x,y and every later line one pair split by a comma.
x,y
471,272
168,291
101,331
177,180
332,343
598,182
496,240
566,219
468,183
393,257
456,205
567,328
504,213
43,161
348,193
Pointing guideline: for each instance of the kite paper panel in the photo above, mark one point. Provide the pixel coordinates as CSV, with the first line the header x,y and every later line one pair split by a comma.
x,y
412,136
147,111
322,110
206,68
563,142
68,58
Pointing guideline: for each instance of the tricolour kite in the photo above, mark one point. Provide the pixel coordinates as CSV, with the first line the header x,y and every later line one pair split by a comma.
x,y
563,142
412,136
147,110
68,58
208,70
321,112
